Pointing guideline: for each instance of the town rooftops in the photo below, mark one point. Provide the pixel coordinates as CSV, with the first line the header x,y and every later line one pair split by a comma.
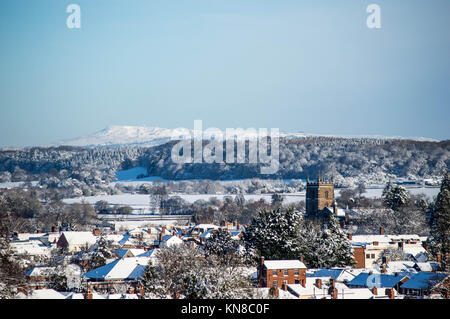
x,y
79,237
383,239
121,269
424,280
40,271
427,266
381,280
284,264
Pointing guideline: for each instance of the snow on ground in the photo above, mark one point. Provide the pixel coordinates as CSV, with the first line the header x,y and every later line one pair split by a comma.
x,y
141,201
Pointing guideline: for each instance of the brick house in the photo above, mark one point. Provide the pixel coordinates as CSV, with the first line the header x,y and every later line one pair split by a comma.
x,y
39,277
75,241
275,273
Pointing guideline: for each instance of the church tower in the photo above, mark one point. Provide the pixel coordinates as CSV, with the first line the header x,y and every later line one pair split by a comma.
x,y
319,194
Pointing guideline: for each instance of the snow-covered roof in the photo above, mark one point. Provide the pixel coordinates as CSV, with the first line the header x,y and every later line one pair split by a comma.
x,y
148,253
75,295
428,266
28,236
32,247
339,274
79,237
424,280
400,266
310,288
206,234
413,250
40,271
45,294
122,269
265,293
381,281
284,264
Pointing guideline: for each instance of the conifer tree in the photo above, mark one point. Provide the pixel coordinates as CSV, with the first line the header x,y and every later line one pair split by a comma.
x,y
439,240
101,253
275,234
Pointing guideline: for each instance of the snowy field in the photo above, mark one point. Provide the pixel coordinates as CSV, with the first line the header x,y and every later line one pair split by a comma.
x,y
138,201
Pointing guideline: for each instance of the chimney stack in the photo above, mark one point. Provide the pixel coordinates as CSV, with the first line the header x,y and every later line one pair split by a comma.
x,y
149,230
96,232
385,260
303,283
319,283
383,269
54,229
390,293
284,286
333,283
381,230
349,235
374,290
334,293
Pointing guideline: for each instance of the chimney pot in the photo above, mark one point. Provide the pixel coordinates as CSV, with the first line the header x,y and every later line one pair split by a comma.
x,y
381,230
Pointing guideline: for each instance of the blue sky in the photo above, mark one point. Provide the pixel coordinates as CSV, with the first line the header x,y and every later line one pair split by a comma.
x,y
308,66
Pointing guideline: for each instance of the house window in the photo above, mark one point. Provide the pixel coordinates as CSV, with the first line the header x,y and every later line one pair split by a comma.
x,y
275,272
372,256
368,256
326,194
285,272
275,283
296,272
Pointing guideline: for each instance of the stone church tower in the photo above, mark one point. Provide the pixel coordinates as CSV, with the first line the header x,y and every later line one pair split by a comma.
x,y
319,194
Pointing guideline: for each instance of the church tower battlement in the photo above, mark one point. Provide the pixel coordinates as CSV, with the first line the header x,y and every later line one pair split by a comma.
x,y
319,194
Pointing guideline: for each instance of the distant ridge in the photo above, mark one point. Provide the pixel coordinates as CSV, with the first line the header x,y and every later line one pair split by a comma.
x,y
123,135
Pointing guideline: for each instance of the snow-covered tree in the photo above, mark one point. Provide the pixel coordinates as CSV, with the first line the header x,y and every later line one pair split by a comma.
x,y
221,245
186,272
329,247
395,196
439,240
216,281
12,275
275,234
151,282
100,254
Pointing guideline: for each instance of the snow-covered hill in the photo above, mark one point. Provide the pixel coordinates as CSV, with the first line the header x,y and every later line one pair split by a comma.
x,y
120,135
